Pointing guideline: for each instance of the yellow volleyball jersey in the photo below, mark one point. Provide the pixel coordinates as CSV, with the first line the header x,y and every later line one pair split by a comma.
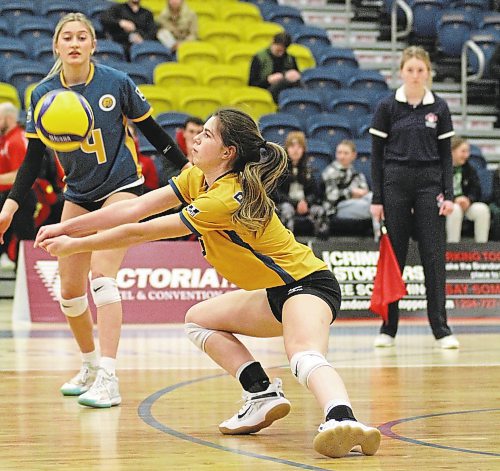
x,y
250,261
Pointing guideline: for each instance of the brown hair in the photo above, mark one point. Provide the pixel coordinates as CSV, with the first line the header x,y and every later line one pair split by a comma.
x,y
418,53
457,141
258,163
348,143
298,136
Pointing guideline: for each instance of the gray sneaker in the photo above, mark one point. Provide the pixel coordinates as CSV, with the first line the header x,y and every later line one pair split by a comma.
x,y
81,382
103,393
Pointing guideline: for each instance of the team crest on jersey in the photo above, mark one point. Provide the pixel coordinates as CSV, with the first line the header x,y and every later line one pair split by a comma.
x,y
238,197
431,120
107,102
192,210
140,94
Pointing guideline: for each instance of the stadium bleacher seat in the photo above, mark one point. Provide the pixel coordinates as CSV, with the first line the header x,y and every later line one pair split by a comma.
x,y
172,121
352,107
32,29
285,15
224,75
253,100
205,11
319,78
240,53
301,103
199,101
149,53
108,50
198,52
4,27
486,181
368,80
425,15
320,154
137,72
335,56
175,74
453,29
54,10
41,50
261,34
487,43
489,22
363,148
276,126
310,35
240,13
12,9
161,99
9,93
219,33
22,73
12,48
363,165
93,9
303,56
329,127
363,126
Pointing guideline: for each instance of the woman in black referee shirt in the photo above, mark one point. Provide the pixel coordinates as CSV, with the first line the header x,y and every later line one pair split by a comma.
x,y
412,184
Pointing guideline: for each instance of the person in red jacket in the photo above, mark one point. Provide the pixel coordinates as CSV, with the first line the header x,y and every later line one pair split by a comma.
x,y
13,147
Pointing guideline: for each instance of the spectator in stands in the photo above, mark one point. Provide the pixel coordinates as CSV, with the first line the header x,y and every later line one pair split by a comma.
x,y
177,23
273,68
128,23
347,195
495,207
185,136
412,184
299,195
13,145
467,190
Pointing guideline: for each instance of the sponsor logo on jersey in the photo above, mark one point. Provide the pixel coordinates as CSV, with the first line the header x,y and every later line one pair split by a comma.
x,y
140,94
295,290
107,102
192,210
431,120
238,197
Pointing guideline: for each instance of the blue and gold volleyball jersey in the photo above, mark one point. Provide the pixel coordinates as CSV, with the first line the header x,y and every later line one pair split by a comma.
x,y
272,258
106,161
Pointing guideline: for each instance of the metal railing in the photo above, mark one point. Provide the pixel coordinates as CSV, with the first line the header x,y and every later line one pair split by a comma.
x,y
395,34
469,44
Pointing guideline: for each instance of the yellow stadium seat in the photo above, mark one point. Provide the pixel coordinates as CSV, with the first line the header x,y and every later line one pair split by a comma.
x,y
219,33
239,12
9,93
303,56
161,99
155,6
205,11
261,33
240,53
175,74
224,75
200,101
196,52
253,100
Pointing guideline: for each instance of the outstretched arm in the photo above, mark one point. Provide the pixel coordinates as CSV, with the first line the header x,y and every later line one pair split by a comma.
x,y
165,227
121,212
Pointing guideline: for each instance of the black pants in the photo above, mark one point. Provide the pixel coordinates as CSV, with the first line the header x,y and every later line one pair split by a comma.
x,y
410,207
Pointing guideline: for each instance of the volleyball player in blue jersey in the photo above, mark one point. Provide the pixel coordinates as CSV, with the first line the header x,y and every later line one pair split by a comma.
x,y
101,172
285,289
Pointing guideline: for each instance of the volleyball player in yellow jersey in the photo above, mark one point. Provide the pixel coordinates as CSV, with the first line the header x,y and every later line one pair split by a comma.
x,y
285,289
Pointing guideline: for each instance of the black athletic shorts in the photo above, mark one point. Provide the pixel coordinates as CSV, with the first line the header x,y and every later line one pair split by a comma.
x,y
321,284
95,205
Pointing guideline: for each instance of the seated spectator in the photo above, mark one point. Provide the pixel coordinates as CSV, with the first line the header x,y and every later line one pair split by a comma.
x,y
128,23
298,196
177,23
467,190
495,207
185,136
347,195
13,146
273,68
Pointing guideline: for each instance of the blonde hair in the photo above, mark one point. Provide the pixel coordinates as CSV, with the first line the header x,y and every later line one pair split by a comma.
x,y
457,141
348,143
420,53
258,163
75,16
298,136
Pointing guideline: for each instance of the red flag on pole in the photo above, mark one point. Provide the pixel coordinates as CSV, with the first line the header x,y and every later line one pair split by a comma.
x,y
388,285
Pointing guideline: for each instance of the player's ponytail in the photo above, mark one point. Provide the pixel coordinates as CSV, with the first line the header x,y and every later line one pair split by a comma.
x,y
258,163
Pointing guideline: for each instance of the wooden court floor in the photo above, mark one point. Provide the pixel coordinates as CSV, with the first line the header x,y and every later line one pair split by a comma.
x,y
436,409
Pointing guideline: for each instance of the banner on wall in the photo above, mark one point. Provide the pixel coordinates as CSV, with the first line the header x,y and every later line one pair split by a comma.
x,y
159,281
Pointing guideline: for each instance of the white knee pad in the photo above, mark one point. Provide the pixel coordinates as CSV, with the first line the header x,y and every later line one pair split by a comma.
x,y
303,364
74,307
105,291
197,334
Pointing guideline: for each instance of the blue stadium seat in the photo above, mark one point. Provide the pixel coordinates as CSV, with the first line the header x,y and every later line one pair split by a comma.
x,y
310,36
329,127
171,121
335,56
351,107
363,147
486,180
320,154
22,73
453,29
55,9
476,157
321,77
363,126
487,42
368,80
13,48
93,9
4,27
13,9
32,29
472,6
301,103
284,15
109,50
425,15
276,126
137,72
363,165
41,50
489,22
150,53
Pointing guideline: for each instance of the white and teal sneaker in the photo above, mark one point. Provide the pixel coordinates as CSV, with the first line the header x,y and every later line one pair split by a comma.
x,y
103,393
81,382
260,410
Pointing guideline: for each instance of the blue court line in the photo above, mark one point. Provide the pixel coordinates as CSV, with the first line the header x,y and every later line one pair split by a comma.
x,y
144,412
386,429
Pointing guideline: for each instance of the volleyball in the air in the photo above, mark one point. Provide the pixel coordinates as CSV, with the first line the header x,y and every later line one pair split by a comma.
x,y
63,119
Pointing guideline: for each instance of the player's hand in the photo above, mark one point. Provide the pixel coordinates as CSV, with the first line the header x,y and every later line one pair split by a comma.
x,y
5,221
377,211
61,246
446,208
48,232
